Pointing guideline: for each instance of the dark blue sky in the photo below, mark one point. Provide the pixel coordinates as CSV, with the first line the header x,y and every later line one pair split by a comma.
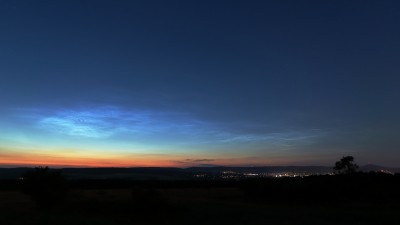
x,y
227,82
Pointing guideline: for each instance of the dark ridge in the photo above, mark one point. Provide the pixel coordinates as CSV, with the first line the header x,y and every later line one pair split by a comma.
x,y
173,173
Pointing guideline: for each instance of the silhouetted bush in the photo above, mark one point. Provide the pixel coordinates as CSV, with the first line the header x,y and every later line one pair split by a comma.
x,y
46,187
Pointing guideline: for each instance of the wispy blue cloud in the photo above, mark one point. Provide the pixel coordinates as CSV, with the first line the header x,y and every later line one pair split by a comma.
x,y
117,123
103,122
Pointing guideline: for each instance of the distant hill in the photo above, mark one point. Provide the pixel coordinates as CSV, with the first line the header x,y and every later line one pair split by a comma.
x,y
264,169
138,173
12,173
171,173
372,167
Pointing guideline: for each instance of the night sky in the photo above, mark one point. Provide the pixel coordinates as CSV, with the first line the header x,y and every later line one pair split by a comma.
x,y
199,83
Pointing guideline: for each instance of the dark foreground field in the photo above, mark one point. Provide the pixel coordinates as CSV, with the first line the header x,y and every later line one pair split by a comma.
x,y
360,199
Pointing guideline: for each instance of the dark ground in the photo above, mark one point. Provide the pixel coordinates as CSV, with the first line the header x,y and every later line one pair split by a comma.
x,y
358,199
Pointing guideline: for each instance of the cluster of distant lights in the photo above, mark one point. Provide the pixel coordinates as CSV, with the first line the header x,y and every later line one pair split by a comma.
x,y
232,175
238,175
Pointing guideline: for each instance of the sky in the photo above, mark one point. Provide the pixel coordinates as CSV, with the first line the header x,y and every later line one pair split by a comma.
x,y
199,83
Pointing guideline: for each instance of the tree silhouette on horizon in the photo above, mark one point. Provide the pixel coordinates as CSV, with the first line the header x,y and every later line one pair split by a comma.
x,y
346,165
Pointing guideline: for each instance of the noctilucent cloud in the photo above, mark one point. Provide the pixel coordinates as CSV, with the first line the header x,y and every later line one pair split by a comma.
x,y
199,83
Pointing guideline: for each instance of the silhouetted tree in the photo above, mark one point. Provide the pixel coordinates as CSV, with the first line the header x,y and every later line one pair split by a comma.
x,y
46,187
346,165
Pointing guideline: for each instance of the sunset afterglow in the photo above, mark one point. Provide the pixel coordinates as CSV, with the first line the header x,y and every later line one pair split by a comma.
x,y
124,84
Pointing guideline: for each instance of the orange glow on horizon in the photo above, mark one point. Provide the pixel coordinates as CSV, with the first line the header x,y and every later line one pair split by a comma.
x,y
18,159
